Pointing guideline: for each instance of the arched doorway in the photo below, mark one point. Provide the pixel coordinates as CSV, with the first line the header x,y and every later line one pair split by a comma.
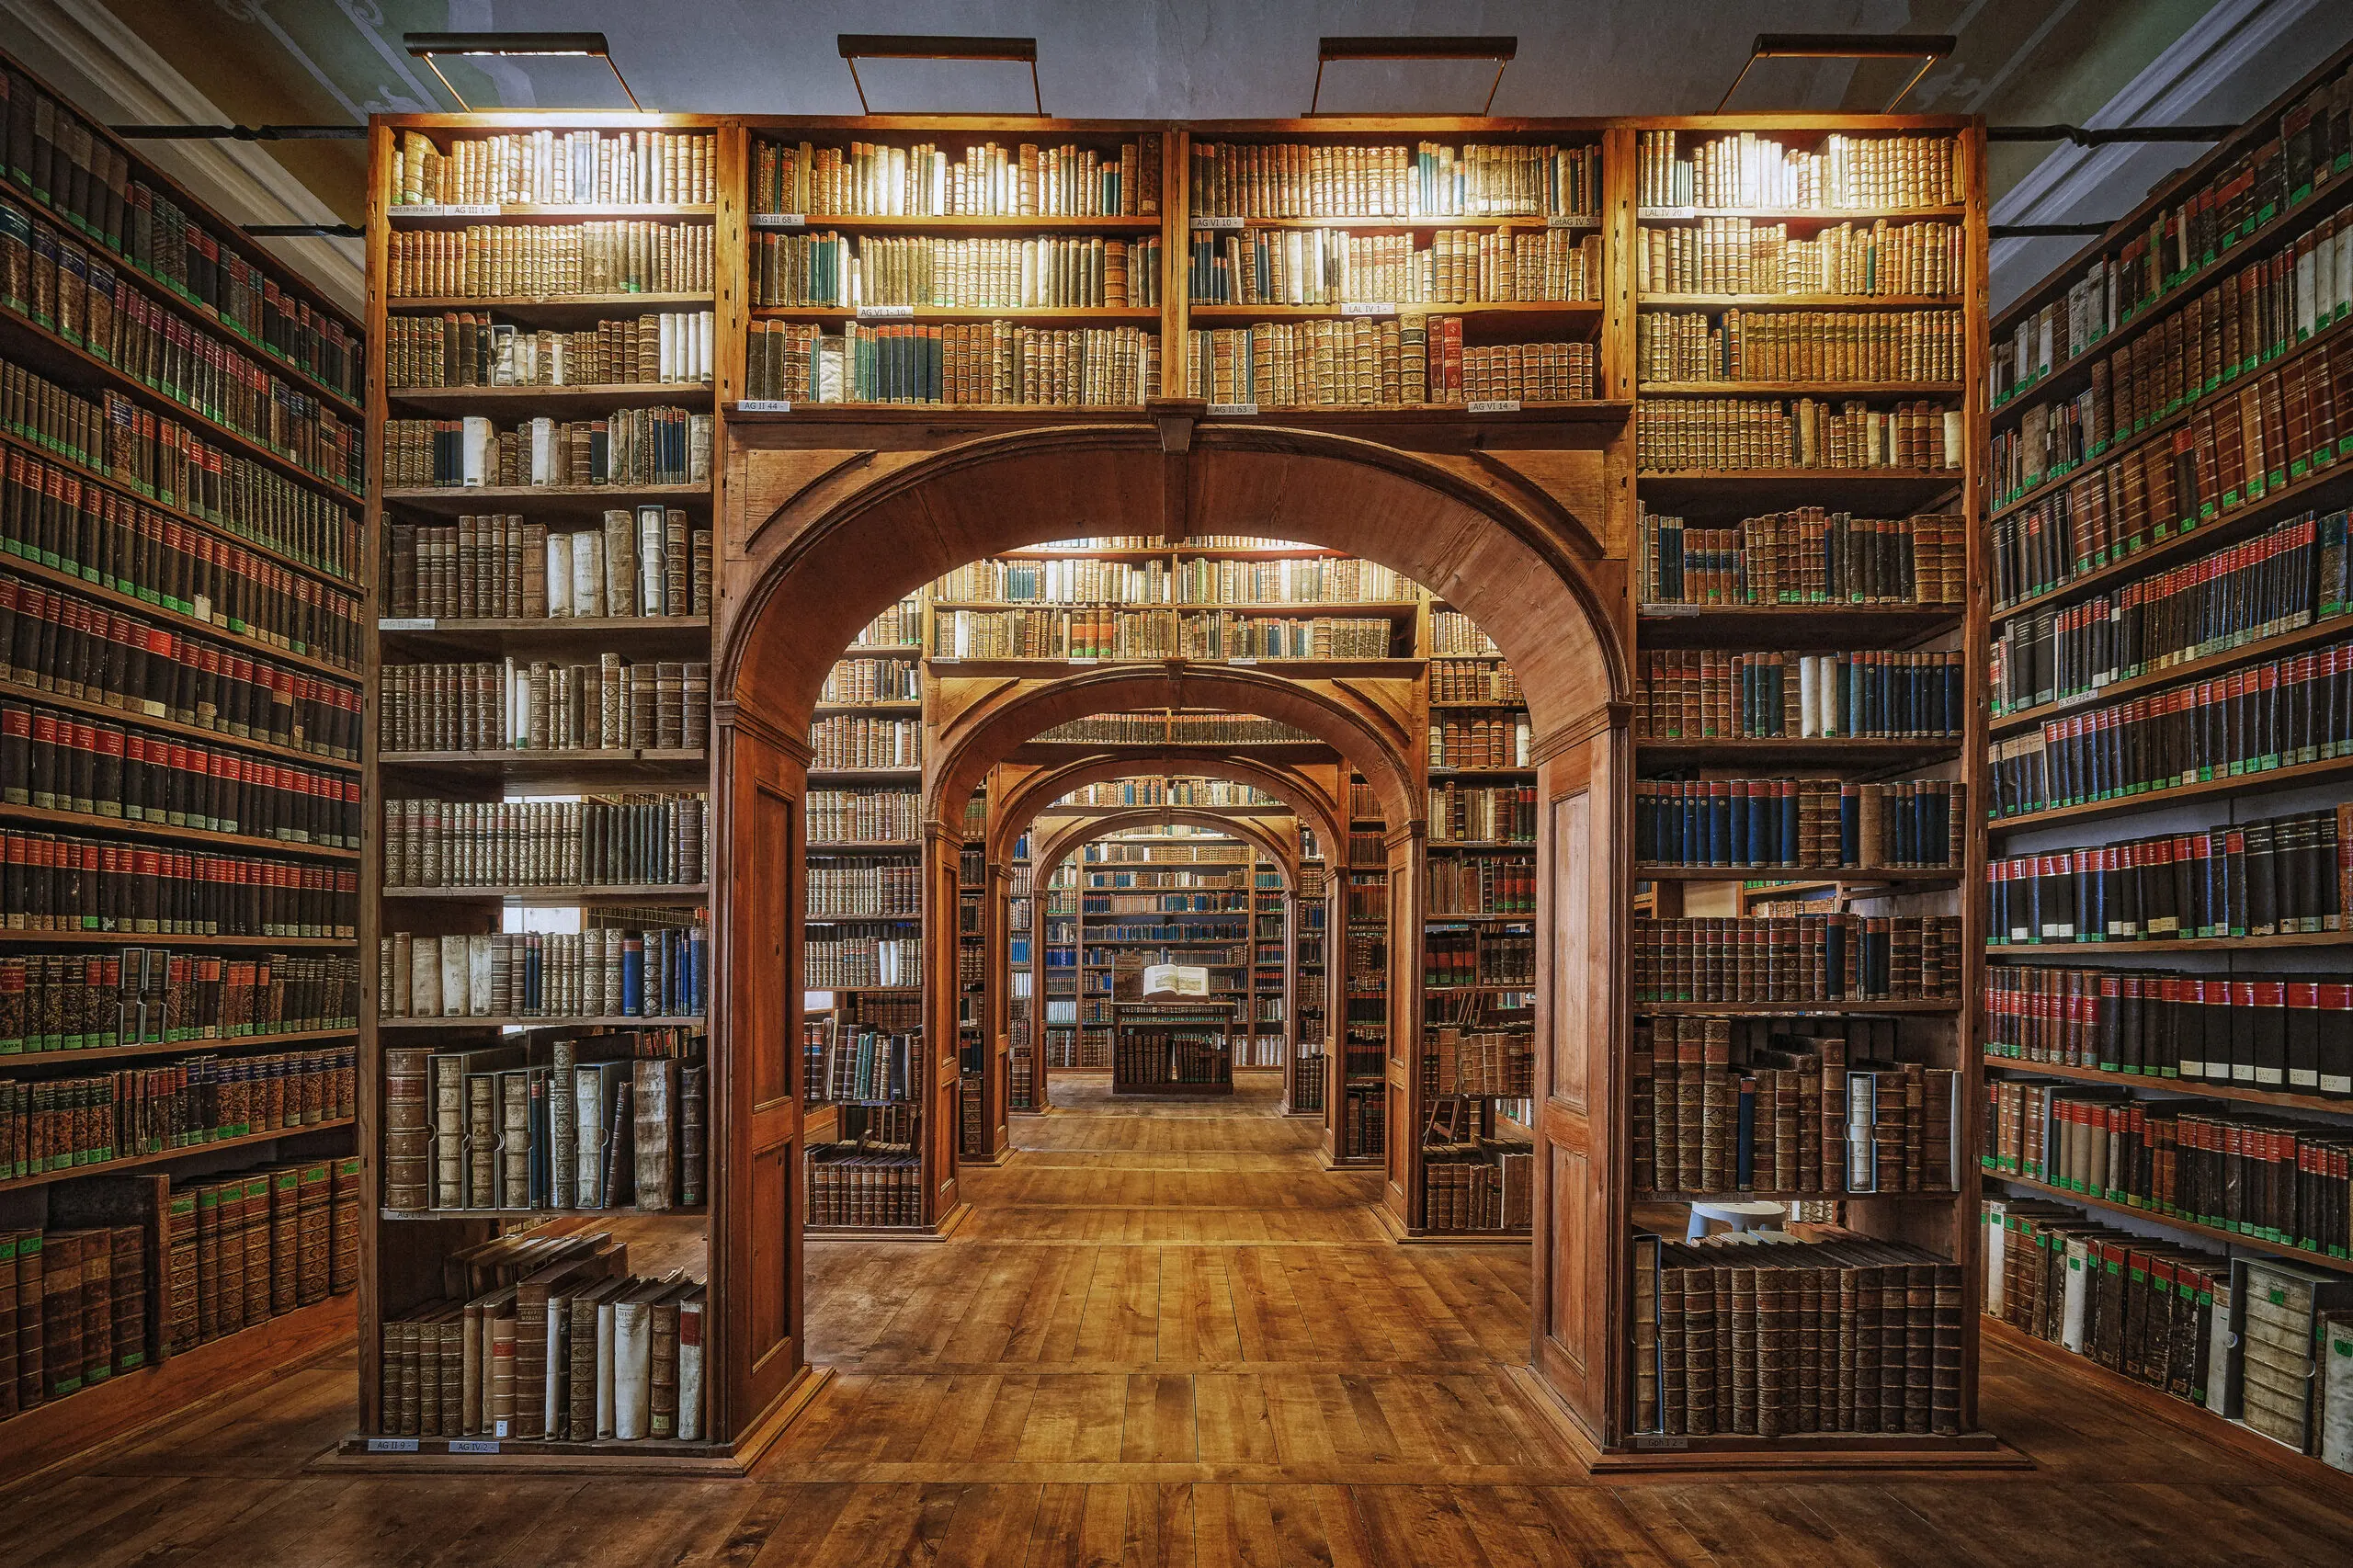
x,y
824,528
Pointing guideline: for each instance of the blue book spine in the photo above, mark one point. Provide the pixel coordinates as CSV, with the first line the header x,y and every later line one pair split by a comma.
x,y
632,972
1850,825
1789,847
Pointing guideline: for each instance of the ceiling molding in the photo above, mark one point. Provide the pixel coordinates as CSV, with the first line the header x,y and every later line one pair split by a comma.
x,y
2227,45
116,77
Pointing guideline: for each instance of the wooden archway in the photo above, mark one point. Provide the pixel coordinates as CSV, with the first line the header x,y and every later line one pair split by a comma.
x,y
1098,822
829,519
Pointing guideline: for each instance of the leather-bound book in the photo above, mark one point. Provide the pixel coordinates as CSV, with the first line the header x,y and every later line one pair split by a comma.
x,y
662,1406
655,1095
691,1339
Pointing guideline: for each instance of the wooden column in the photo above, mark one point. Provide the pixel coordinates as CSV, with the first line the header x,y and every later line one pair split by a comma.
x,y
943,847
1408,879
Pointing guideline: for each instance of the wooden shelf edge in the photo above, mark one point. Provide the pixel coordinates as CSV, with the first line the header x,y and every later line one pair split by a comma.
x,y
2213,1233
2193,1088
38,1441
164,1156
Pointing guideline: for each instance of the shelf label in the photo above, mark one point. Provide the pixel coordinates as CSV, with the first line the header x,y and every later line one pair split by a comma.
x,y
391,1444
1080,659
1672,609
1669,214
1233,410
1493,405
1563,221
406,623
764,405
1670,1445
779,220
474,1444
1368,308
1228,224
1242,659
886,313
455,209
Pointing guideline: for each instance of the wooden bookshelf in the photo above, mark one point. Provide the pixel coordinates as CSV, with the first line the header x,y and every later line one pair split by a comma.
x,y
406,1243
2317,482
286,502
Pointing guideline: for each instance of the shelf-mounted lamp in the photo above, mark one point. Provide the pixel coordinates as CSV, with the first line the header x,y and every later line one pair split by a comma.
x,y
1500,48
856,47
578,46
1926,47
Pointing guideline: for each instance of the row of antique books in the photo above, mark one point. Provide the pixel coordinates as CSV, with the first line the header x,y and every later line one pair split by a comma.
x,y
1480,1184
617,1120
1334,267
1743,433
59,158
1685,168
2251,1340
1043,271
467,348
988,180
67,289
1304,179
1747,1105
1768,1334
556,168
548,1338
52,1003
2269,876
841,740
990,362
656,973
1156,634
49,1125
2290,1033
2228,453
49,517
1492,740
628,446
2283,712
71,885
137,454
857,682
654,840
858,956
651,561
1474,680
500,261
1811,556
1743,255
1799,824
854,1062
863,1185
2277,1181
63,761
1481,884
1478,955
1799,345
1482,813
864,816
2283,579
546,705
61,641
1811,958
1403,361
1190,580
865,887
1692,694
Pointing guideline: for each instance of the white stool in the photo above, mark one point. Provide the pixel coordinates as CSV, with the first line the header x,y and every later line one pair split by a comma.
x,y
1739,1213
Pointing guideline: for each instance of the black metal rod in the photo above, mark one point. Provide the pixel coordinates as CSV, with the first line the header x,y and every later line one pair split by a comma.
x,y
935,46
2043,230
1496,46
424,45
2103,135
241,132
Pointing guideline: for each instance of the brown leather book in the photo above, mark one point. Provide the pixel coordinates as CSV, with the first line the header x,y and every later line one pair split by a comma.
x,y
654,1107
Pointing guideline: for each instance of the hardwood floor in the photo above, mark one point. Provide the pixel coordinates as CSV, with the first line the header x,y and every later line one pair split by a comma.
x,y
1166,1337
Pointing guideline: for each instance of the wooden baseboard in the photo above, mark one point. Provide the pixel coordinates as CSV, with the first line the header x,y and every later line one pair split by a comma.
x,y
1811,1452
949,1223
1406,1235
1003,1156
50,1435
2236,1436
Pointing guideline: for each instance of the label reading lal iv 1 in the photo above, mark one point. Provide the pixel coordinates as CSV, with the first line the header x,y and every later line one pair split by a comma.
x,y
1368,308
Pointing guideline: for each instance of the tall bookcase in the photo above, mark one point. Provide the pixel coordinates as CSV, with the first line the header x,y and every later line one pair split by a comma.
x,y
2169,477
182,569
556,342
1534,391
1809,432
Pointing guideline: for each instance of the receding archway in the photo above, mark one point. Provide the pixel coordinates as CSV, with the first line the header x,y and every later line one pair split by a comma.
x,y
829,521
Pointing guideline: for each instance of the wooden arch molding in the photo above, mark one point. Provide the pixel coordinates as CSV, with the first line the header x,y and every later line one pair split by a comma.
x,y
1034,794
1372,739
1115,819
822,540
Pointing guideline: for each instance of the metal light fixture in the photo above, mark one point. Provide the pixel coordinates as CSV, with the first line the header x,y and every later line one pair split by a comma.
x,y
425,46
1500,48
936,46
1926,48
